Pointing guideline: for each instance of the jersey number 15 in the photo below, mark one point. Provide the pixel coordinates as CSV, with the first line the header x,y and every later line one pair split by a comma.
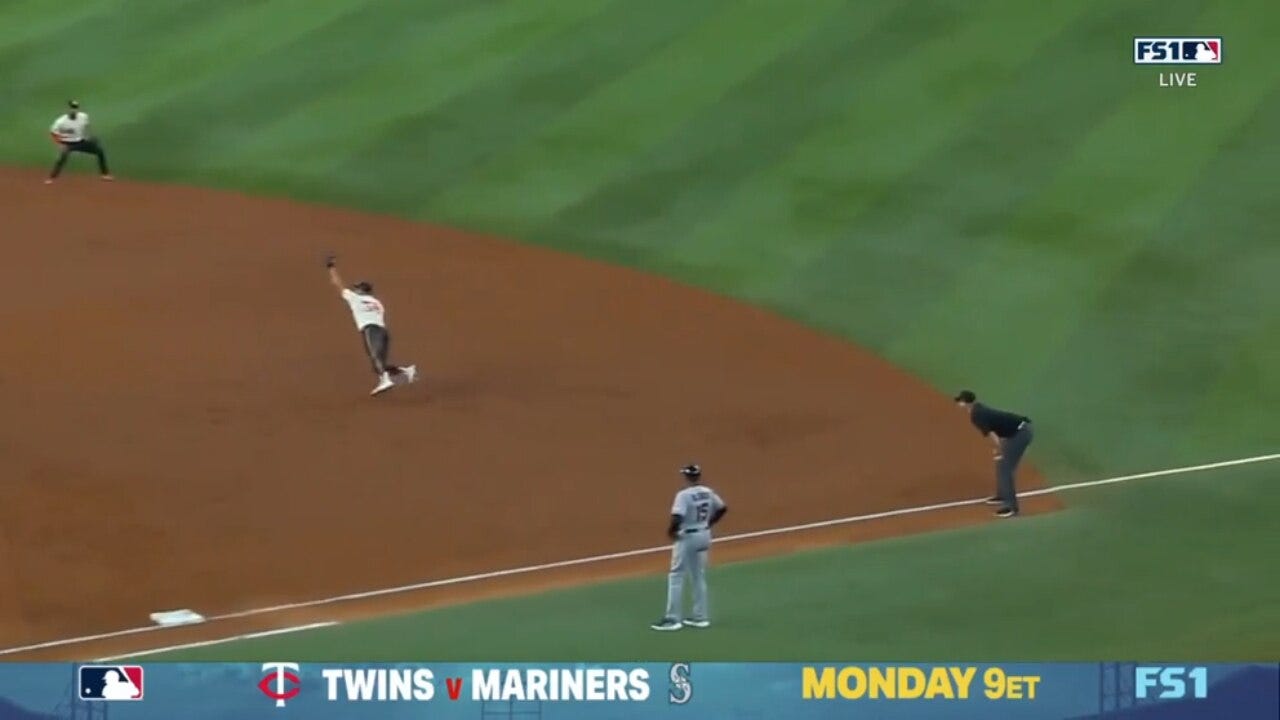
x,y
702,511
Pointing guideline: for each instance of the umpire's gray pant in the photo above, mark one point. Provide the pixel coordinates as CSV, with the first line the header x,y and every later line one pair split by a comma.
x,y
688,555
1011,452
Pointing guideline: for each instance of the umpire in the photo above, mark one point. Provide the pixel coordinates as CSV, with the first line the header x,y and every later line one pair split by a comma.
x,y
1011,434
71,133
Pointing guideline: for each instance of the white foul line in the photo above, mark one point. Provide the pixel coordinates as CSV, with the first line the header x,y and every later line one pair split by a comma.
x,y
221,641
618,556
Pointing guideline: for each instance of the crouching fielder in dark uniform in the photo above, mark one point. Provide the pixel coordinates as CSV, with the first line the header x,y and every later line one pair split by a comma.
x,y
1011,434
370,321
71,133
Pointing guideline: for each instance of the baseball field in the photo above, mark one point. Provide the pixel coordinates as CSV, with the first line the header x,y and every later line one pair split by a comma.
x,y
616,236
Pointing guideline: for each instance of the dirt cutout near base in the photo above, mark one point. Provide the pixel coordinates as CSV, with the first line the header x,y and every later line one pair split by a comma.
x,y
186,420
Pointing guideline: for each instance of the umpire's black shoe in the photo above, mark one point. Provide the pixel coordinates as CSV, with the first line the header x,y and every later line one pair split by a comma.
x,y
1006,512
993,500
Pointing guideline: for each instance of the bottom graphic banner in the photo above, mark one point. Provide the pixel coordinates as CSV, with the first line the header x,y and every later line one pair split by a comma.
x,y
282,689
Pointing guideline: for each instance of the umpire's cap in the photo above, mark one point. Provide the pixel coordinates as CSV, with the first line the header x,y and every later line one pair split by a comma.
x,y
364,287
692,471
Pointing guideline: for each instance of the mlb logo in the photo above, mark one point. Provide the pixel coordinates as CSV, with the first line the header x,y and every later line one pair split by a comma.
x,y
111,682
1177,51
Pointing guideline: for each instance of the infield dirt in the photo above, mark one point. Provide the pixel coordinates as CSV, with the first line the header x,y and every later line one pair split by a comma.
x,y
186,420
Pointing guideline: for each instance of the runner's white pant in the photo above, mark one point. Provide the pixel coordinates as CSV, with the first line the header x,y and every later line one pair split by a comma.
x,y
688,556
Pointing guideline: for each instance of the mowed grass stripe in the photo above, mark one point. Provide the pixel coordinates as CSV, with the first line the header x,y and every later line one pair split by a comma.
x,y
639,216
1082,230
1249,376
897,260
897,118
28,27
1193,309
587,146
495,118
154,106
1209,270
394,121
78,58
248,96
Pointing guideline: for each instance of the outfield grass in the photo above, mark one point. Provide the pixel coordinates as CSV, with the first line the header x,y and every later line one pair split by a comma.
x,y
986,192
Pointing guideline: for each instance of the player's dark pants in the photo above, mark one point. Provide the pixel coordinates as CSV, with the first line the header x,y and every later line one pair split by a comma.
x,y
377,343
89,147
1011,452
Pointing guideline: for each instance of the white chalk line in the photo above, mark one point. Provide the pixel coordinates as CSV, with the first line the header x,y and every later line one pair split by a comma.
x,y
221,641
492,575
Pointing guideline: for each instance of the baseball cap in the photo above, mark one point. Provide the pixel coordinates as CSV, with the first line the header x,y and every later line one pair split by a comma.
x,y
965,396
692,470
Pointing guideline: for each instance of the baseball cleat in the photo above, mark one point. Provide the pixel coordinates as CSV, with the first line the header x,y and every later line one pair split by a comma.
x,y
384,385
993,500
48,181
667,625
697,623
108,178
1006,512
410,373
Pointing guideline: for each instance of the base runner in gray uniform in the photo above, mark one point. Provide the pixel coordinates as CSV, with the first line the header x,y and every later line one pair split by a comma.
x,y
695,510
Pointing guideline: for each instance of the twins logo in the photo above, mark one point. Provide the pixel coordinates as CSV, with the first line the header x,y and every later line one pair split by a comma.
x,y
274,683
1177,51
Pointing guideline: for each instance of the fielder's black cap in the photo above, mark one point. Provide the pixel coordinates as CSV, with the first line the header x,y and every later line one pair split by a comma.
x,y
363,287
73,104
691,471
966,396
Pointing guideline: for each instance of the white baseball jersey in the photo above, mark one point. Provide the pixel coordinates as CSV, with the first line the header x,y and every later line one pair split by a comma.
x,y
71,130
695,505
366,309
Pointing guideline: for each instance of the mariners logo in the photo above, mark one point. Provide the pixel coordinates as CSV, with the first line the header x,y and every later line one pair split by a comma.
x,y
681,690
1177,51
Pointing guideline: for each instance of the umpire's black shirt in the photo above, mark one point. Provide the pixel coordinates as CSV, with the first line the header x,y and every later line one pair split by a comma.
x,y
990,420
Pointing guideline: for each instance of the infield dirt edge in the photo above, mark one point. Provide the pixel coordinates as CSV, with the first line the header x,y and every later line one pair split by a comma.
x,y
759,396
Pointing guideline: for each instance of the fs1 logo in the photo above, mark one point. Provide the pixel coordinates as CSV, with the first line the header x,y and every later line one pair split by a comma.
x,y
1177,51
111,682
1169,681
681,690
275,684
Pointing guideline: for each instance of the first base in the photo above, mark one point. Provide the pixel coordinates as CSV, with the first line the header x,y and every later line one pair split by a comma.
x,y
171,618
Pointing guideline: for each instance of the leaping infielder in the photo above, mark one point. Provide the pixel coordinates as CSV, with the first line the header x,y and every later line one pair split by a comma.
x,y
369,316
